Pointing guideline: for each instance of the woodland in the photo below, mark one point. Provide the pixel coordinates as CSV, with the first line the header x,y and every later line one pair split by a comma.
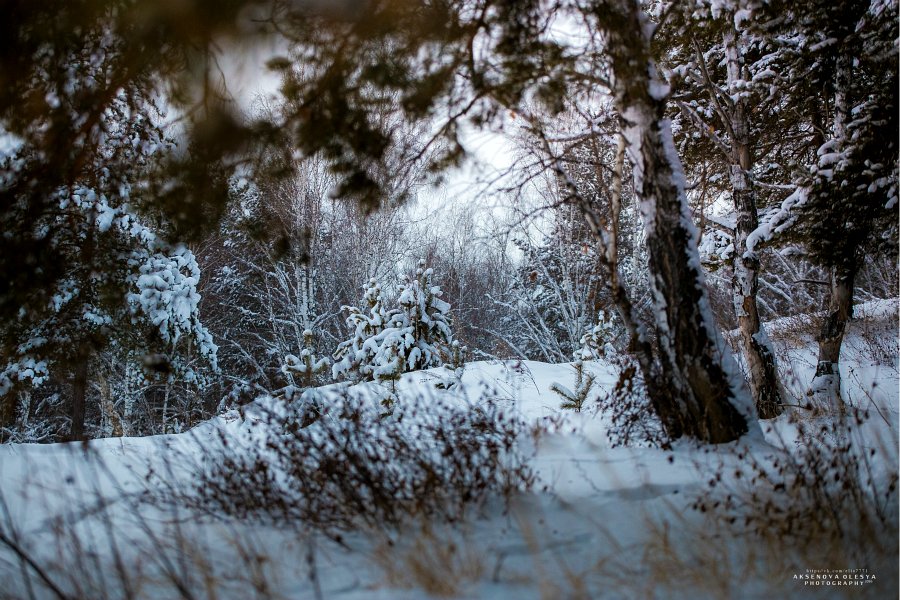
x,y
449,298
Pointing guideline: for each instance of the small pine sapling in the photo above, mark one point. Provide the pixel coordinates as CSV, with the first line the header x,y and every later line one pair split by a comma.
x,y
457,365
598,342
458,354
584,382
305,367
595,344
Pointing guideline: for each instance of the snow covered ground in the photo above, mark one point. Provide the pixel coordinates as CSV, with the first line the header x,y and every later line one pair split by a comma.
x,y
601,521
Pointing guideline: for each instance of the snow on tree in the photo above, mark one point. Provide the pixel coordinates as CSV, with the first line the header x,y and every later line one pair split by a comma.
x,y
727,107
351,357
93,316
556,283
388,343
417,335
388,350
167,296
428,320
597,343
839,58
522,70
305,367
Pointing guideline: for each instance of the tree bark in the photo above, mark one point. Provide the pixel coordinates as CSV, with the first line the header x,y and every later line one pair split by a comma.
x,y
79,393
703,398
825,388
761,366
8,406
108,406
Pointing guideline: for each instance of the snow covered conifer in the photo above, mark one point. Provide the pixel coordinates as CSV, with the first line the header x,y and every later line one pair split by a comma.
x,y
351,357
428,319
597,342
307,365
416,336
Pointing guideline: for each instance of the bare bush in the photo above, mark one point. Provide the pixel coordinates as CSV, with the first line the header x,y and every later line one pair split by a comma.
x,y
833,486
633,420
353,467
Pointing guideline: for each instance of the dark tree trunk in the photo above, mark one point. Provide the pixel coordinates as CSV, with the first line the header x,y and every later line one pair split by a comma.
x,y
79,393
696,395
8,406
758,353
826,384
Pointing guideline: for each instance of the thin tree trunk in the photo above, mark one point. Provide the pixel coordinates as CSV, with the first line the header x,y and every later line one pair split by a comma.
x,y
758,353
8,406
704,399
826,384
79,393
108,407
165,407
83,352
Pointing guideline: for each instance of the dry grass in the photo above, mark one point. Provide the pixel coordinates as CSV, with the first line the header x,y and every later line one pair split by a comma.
x,y
441,564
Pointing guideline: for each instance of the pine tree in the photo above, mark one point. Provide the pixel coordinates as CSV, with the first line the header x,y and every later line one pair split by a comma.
x,y
306,367
429,321
575,399
597,343
839,61
353,357
417,335
389,350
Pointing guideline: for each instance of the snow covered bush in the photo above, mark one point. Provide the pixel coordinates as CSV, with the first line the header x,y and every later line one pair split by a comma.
x,y
633,422
598,342
351,357
353,468
307,365
305,368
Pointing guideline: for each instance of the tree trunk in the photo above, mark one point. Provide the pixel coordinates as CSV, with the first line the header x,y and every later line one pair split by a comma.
x,y
79,393
704,398
825,389
108,406
758,353
8,409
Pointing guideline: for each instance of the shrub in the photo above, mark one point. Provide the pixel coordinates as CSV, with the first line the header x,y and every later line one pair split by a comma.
x,y
828,488
353,467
